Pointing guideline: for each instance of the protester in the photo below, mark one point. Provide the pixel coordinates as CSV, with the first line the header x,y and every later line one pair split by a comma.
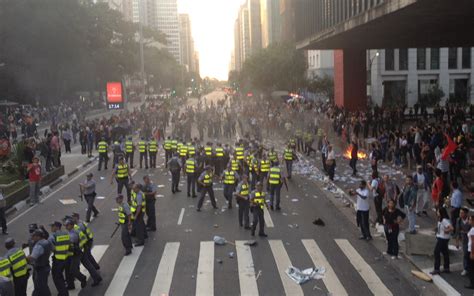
x,y
392,218
443,234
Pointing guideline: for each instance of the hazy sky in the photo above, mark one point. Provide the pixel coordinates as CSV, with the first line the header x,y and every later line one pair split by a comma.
x,y
212,25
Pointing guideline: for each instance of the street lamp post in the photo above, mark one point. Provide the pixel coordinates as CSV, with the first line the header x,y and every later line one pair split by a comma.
x,y
369,78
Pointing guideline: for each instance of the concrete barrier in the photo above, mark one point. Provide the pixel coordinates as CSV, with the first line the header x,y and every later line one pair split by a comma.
x,y
420,243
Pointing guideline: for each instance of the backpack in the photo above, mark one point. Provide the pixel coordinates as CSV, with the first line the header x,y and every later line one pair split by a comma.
x,y
380,188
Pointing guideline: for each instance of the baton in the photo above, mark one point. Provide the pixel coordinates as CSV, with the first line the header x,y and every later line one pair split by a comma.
x,y
116,228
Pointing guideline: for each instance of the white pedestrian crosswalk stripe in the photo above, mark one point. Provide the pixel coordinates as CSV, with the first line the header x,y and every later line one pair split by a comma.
x,y
205,271
97,252
268,219
248,282
164,275
366,272
124,273
283,262
331,281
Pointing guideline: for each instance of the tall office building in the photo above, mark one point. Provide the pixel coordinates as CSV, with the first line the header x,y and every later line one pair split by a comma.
x,y
186,41
271,21
255,26
237,55
287,14
167,21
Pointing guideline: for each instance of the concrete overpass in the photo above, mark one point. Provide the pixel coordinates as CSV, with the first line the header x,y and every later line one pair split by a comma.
x,y
353,26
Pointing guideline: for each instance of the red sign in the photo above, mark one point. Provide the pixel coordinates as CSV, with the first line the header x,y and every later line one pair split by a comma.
x,y
114,92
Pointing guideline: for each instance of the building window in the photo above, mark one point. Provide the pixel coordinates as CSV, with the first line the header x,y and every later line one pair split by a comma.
x,y
434,63
421,58
389,59
466,57
403,59
453,58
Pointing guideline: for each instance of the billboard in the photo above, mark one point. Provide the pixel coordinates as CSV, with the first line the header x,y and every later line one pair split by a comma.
x,y
114,95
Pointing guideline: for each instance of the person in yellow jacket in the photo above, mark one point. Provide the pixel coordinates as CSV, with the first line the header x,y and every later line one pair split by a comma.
x,y
19,266
143,152
152,148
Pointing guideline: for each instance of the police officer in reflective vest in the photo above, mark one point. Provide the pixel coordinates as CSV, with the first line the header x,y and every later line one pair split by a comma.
x,y
208,152
143,154
167,146
190,170
258,203
174,146
19,266
61,243
242,196
125,221
272,156
122,176
39,257
74,259
264,169
289,155
129,151
183,152
138,208
219,158
152,150
191,146
102,148
275,182
205,180
230,178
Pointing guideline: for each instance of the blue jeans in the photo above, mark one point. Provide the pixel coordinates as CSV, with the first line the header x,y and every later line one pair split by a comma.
x,y
411,218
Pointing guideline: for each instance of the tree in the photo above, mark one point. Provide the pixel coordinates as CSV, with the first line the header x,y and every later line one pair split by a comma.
x,y
432,97
323,86
277,67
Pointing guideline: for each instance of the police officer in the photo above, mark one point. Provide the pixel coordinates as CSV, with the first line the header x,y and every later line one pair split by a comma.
x,y
61,243
152,150
208,152
19,266
289,155
149,189
74,259
138,207
175,165
219,158
125,221
88,190
118,153
272,155
257,200
102,148
86,242
242,196
275,181
122,176
191,149
205,180
174,147
230,178
167,146
129,151
263,169
39,257
183,152
143,154
190,170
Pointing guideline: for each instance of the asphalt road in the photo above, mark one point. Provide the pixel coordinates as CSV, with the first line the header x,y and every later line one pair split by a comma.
x,y
181,259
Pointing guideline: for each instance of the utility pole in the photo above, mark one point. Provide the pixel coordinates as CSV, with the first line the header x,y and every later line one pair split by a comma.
x,y
142,59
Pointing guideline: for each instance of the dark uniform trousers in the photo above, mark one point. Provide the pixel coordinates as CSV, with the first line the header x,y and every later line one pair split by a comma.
x,y
143,156
139,229
91,268
57,272
126,237
152,159
150,212
253,181
88,254
244,206
90,198
191,184
103,157
40,280
73,271
121,183
175,176
20,285
275,190
210,191
228,193
259,219
128,156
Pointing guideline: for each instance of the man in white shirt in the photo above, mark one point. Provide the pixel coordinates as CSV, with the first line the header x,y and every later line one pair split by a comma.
x,y
470,249
363,208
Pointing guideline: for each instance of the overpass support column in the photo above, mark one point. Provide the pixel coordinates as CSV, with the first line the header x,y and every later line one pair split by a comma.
x,y
350,79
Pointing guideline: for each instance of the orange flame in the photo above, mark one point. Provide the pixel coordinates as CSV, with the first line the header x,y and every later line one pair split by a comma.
x,y
360,154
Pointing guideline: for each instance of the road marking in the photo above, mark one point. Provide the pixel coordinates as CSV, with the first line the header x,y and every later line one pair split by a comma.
x,y
181,215
124,273
248,283
164,275
97,252
51,194
442,284
134,172
331,281
30,286
283,262
268,218
366,272
205,271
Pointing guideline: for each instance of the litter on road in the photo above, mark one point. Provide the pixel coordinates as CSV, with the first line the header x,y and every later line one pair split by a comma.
x,y
302,276
69,201
100,197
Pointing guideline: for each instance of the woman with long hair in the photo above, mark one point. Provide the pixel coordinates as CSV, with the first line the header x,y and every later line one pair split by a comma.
x,y
443,234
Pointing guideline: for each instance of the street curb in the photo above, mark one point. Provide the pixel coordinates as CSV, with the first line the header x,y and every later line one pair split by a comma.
x,y
46,189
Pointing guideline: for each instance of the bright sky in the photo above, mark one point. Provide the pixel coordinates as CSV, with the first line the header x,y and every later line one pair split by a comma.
x,y
212,26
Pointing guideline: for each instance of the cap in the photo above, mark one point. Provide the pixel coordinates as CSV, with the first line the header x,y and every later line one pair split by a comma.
x,y
68,222
90,175
56,223
67,217
419,167
38,232
75,214
9,240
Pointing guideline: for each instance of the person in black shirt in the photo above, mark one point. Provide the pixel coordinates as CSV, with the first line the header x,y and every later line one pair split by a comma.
x,y
392,218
